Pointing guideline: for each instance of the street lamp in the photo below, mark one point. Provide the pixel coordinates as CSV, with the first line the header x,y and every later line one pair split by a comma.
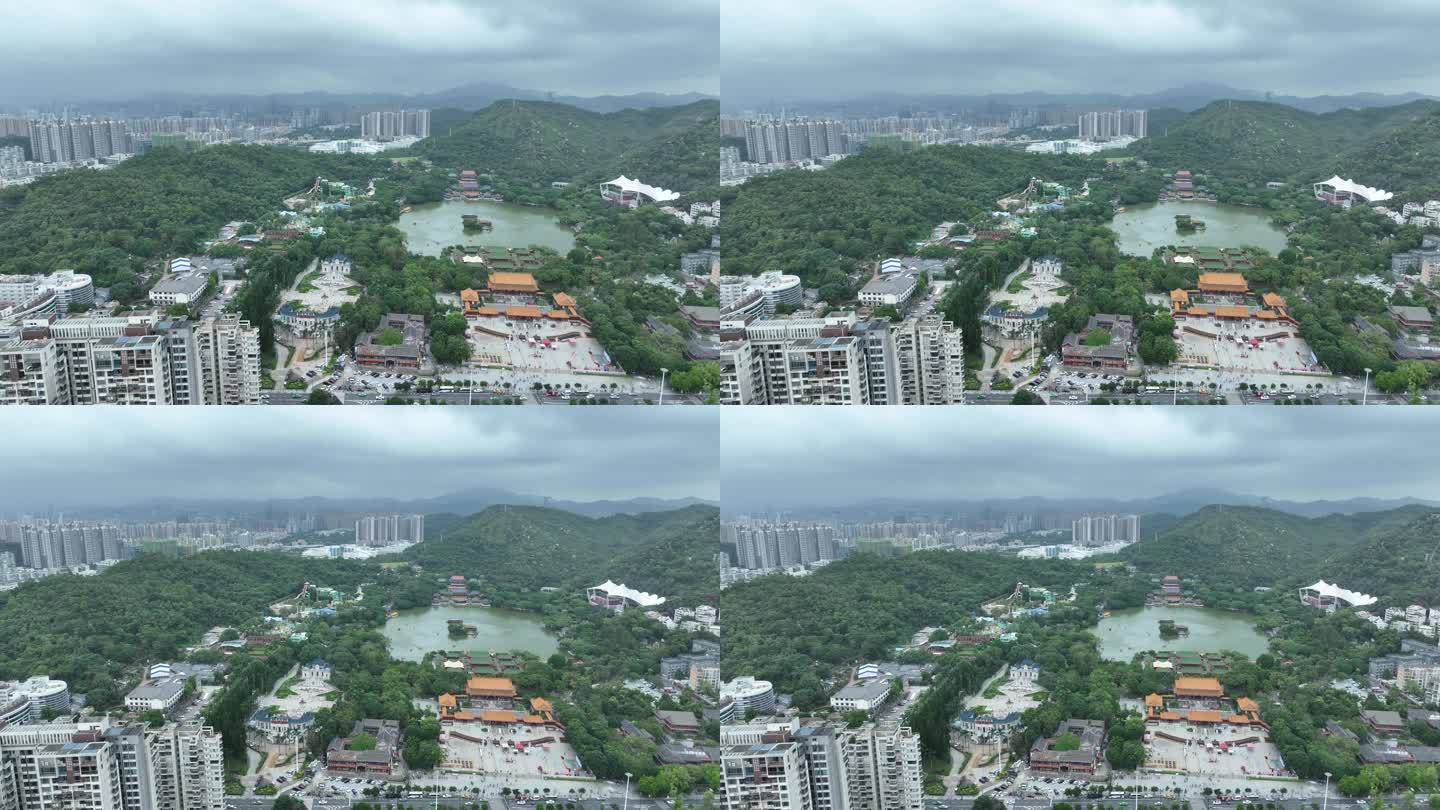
x,y
627,773
1365,395
1326,800
663,372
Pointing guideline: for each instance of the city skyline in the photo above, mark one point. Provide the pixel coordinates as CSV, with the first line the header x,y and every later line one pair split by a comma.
x,y
781,459
151,47
781,53
597,455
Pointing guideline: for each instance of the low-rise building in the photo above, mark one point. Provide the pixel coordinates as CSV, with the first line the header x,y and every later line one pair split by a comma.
x,y
1413,319
1082,350
893,289
157,694
183,285
375,761
865,696
1383,723
678,722
398,342
1082,758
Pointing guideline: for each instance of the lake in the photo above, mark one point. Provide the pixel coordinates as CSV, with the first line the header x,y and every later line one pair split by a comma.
x,y
417,631
432,227
1146,226
1126,632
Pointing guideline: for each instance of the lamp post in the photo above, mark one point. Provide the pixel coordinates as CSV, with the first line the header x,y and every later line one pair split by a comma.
x,y
663,372
627,773
1365,395
1325,802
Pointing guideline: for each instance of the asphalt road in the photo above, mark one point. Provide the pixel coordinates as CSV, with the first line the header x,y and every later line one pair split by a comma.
x,y
338,803
284,397
1163,398
1196,803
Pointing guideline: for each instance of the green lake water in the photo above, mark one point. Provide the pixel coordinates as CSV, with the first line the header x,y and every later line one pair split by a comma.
x,y
431,227
1126,632
1146,226
417,631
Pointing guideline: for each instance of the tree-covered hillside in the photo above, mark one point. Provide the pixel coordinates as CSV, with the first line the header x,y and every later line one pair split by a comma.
x,y
108,223
1399,561
511,549
796,632
531,144
1392,147
1248,547
814,224
89,630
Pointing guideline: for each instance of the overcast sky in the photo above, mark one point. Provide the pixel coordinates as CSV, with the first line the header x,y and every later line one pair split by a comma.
x,y
79,456
93,49
849,48
783,458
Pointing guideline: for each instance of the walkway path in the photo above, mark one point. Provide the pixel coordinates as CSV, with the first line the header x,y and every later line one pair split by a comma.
x,y
957,773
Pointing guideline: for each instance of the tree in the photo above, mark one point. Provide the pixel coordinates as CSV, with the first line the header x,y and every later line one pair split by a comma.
x,y
287,802
1026,397
448,343
1066,742
322,397
987,802
1125,755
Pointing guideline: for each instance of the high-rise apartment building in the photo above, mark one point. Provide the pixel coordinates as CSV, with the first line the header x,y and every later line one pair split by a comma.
x,y
1099,530
930,361
882,768
131,360
229,355
384,530
1104,125
787,141
817,766
387,125
66,141
97,765
840,359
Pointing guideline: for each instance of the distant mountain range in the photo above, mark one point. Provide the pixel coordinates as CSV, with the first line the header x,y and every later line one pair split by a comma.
x,y
1187,98
473,96
463,502
1176,503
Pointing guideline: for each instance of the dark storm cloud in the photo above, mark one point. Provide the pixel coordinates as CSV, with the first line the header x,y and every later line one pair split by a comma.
x,y
82,456
850,48
791,458
87,49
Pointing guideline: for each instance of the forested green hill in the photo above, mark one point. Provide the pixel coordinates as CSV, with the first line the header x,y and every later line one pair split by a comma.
x,y
515,548
817,224
1398,561
1395,148
794,632
535,143
89,630
1248,547
107,223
